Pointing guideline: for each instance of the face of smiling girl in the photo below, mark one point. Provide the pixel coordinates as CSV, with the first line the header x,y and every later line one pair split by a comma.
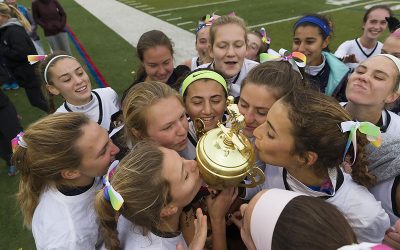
x,y
68,78
309,41
206,99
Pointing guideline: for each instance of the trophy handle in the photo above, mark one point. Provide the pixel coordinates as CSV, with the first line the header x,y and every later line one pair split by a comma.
x,y
199,128
257,177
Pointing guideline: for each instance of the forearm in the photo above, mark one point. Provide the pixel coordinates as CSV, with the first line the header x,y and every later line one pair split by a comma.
x,y
218,227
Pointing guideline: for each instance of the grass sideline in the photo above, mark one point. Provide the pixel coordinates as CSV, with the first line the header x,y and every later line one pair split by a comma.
x,y
116,59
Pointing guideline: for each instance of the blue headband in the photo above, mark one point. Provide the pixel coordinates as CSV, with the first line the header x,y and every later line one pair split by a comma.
x,y
315,20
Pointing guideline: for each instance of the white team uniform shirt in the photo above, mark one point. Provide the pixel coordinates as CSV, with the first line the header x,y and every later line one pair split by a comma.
x,y
110,105
364,214
385,192
194,63
350,47
235,83
131,237
66,222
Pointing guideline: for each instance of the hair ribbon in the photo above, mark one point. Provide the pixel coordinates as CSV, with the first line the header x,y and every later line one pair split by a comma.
x,y
18,141
296,59
372,132
208,21
110,194
32,59
264,38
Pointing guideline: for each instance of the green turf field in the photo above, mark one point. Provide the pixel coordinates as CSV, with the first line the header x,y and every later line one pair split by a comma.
x,y
116,59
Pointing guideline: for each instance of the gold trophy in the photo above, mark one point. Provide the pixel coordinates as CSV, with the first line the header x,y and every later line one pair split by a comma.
x,y
225,156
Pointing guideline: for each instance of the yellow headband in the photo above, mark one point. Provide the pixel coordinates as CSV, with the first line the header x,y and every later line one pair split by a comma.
x,y
203,74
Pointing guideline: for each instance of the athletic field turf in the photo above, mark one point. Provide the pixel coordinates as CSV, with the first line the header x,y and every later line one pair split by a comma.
x,y
115,58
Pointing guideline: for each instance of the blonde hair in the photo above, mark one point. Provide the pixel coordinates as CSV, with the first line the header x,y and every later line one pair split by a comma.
x,y
51,148
12,12
138,179
224,20
136,102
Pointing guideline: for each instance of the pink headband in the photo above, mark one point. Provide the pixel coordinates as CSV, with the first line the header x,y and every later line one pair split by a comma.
x,y
269,206
396,33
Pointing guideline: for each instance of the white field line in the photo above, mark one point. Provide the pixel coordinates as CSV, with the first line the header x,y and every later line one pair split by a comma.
x,y
129,1
166,14
184,23
141,6
175,18
193,6
148,8
142,22
321,12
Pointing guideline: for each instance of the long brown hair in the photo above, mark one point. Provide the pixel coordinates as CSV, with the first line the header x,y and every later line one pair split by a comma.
x,y
316,120
306,216
277,76
138,179
51,148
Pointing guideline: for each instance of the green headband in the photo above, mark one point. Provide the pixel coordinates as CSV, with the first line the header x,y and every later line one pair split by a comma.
x,y
203,74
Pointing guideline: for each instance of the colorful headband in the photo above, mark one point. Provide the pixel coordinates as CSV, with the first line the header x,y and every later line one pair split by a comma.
x,y
18,141
203,74
32,59
315,20
270,205
372,132
296,59
366,246
396,62
110,194
49,63
264,38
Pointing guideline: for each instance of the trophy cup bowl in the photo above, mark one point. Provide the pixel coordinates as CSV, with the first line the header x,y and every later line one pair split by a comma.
x,y
226,157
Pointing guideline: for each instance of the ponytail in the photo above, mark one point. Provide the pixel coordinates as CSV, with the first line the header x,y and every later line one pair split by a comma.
x,y
50,148
107,217
359,170
30,186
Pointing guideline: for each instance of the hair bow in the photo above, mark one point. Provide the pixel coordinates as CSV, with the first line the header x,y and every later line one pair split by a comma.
x,y
18,141
296,59
32,59
208,21
110,194
372,132
264,38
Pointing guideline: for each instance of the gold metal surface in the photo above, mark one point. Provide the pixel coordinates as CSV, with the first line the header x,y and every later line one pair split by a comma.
x,y
225,156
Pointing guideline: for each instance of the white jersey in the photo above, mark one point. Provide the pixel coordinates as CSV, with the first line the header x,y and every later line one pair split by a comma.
x,y
101,114
364,214
385,192
354,47
66,222
189,153
236,82
195,63
131,237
